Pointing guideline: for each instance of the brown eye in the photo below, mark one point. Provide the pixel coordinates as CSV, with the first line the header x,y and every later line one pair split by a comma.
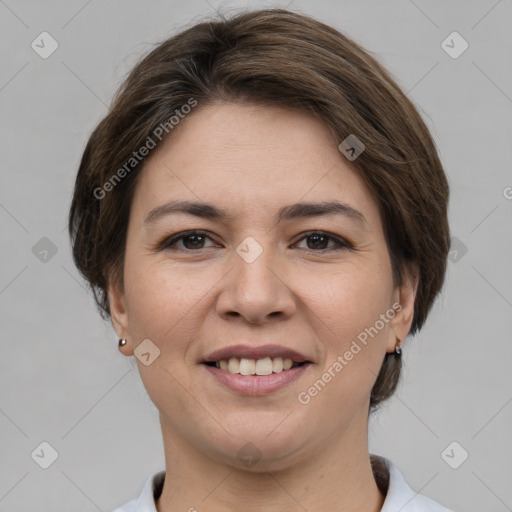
x,y
191,240
318,241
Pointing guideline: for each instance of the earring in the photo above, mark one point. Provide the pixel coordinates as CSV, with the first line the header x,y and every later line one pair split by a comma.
x,y
398,350
122,343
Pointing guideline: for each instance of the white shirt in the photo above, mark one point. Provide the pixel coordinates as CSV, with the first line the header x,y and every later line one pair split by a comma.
x,y
399,496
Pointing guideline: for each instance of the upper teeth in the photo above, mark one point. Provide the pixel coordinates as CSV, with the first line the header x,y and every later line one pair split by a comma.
x,y
255,366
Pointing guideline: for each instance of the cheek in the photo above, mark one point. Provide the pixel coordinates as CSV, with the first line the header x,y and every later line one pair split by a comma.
x,y
167,304
353,348
353,308
158,299
161,305
355,297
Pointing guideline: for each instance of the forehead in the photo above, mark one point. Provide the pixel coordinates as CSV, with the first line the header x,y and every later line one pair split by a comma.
x,y
250,160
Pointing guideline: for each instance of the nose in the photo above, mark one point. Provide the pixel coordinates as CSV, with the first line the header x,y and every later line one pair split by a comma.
x,y
256,291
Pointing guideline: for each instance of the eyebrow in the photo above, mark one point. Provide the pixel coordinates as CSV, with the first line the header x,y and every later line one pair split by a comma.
x,y
293,211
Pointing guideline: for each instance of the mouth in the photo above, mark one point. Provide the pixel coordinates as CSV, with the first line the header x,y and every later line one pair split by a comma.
x,y
264,366
256,361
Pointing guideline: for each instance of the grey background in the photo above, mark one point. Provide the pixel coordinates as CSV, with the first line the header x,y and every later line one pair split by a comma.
x,y
62,379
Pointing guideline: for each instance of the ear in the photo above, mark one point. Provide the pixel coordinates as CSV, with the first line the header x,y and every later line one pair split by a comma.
x,y
119,314
403,305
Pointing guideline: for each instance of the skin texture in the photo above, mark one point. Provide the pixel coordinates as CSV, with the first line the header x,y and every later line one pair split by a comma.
x,y
302,293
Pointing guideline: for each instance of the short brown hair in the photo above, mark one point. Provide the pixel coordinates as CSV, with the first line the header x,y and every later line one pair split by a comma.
x,y
272,57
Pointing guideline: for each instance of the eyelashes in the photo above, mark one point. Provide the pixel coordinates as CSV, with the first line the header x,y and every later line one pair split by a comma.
x,y
198,237
170,242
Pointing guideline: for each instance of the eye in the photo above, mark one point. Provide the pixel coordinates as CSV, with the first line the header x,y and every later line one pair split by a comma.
x,y
194,240
191,240
320,239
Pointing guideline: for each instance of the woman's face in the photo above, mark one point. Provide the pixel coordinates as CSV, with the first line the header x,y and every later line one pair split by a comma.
x,y
264,271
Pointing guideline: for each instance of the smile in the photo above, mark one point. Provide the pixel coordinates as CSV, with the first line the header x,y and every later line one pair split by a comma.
x,y
255,370
265,366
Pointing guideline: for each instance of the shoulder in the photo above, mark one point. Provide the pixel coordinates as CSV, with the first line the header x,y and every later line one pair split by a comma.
x,y
423,504
146,500
127,507
399,495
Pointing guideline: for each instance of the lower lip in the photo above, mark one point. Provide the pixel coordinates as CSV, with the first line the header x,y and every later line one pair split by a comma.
x,y
257,385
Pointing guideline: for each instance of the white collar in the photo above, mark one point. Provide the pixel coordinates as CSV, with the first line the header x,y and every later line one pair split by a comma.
x,y
399,496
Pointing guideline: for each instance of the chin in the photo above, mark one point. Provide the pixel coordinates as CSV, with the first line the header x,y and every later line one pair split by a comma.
x,y
257,451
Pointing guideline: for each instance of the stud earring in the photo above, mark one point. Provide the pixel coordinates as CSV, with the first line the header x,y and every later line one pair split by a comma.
x,y
122,343
398,350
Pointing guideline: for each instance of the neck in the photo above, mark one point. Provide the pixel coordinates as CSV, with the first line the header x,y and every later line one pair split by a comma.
x,y
334,475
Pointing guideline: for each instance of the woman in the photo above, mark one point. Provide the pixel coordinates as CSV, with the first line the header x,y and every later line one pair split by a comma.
x,y
263,216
